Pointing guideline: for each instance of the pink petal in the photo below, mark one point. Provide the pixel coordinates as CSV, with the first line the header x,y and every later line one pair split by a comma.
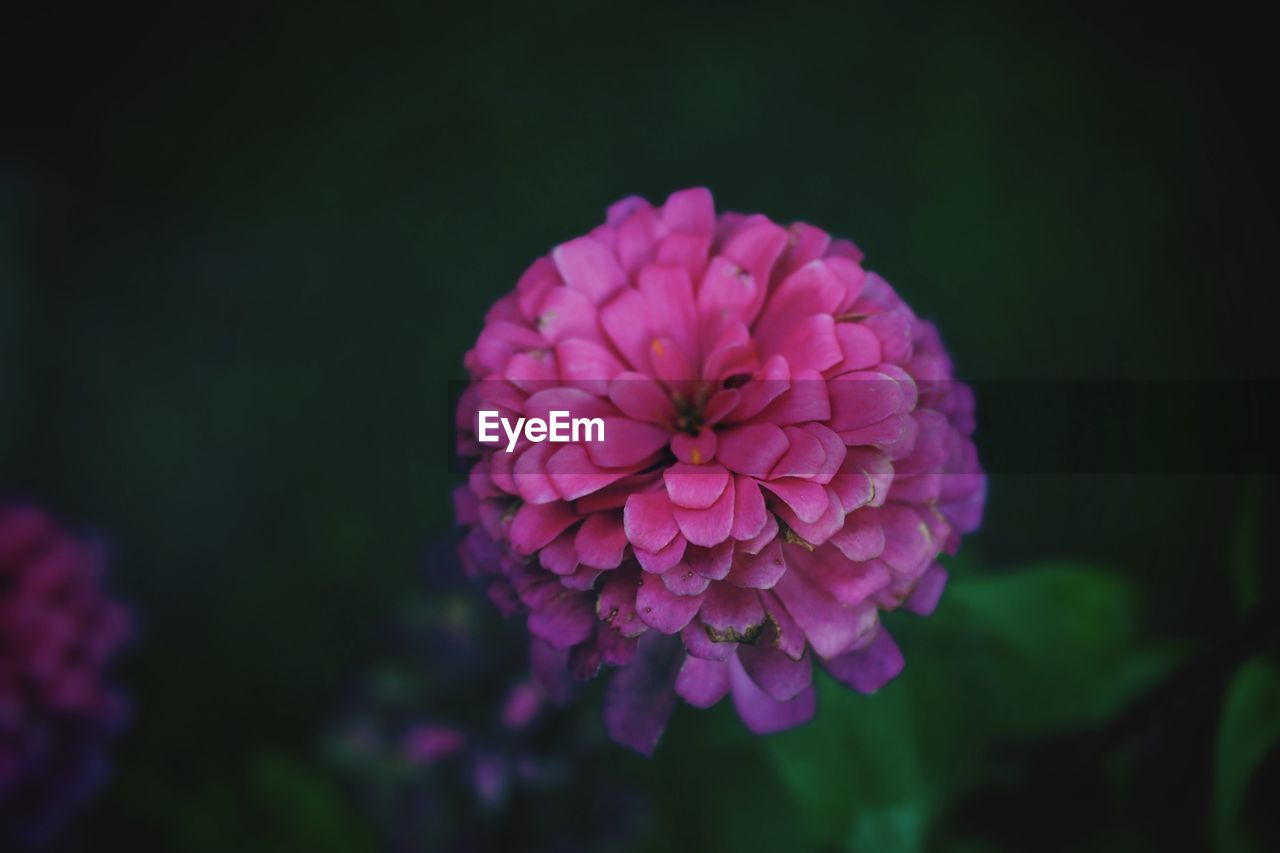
x,y
695,486
848,582
601,541
685,250
834,449
725,295
566,314
529,474
818,532
627,442
762,714
859,347
694,449
759,571
908,544
583,578
648,521
756,248
928,591
535,525
629,335
752,449
581,403
642,398
637,236
560,556
770,381
767,534
814,289
832,628
672,314
750,518
702,683
568,619
575,476
869,669
683,580
805,400
713,563
805,455
807,500
707,527
861,399
775,673
732,614
589,267
804,244
810,345
662,609
588,363
861,538
786,634
664,559
691,211
699,643
616,604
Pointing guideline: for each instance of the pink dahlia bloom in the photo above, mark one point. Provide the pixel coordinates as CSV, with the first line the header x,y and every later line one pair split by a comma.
x,y
57,632
785,456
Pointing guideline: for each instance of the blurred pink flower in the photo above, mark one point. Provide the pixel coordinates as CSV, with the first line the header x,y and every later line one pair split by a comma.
x,y
58,630
786,455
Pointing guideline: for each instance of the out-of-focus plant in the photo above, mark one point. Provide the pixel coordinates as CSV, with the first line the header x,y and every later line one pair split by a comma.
x,y
448,744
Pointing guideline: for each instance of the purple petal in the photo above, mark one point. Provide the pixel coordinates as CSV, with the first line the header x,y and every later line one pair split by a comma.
x,y
642,695
698,643
567,619
662,609
550,667
731,613
774,672
616,605
928,591
869,669
832,628
759,571
762,714
682,580
702,683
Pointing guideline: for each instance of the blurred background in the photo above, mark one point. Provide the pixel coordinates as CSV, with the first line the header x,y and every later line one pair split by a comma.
x,y
243,249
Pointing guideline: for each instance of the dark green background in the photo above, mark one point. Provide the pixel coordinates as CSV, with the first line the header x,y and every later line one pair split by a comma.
x,y
243,250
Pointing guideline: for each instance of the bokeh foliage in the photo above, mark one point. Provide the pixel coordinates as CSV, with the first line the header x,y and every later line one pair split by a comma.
x,y
242,252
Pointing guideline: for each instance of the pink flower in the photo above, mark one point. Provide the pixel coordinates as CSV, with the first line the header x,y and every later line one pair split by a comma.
x,y
58,631
785,456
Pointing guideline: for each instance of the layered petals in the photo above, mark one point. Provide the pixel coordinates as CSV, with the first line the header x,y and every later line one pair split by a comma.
x,y
786,455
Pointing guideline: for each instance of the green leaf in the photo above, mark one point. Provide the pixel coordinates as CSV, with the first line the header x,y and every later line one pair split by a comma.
x,y
1250,728
1009,656
306,810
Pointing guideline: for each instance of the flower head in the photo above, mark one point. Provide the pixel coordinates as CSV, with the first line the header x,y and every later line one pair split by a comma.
x,y
785,456
57,632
